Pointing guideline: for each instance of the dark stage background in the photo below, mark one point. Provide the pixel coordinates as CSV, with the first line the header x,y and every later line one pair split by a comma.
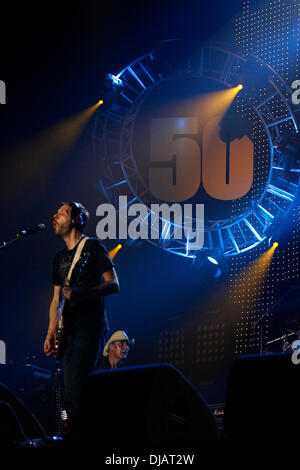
x,y
54,58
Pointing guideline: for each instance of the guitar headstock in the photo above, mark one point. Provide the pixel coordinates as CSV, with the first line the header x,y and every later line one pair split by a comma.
x,y
83,260
79,267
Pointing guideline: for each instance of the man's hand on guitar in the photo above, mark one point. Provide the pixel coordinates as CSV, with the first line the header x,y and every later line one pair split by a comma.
x,y
67,291
75,290
49,344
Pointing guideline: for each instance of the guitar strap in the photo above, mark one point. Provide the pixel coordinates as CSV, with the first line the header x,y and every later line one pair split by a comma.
x,y
76,256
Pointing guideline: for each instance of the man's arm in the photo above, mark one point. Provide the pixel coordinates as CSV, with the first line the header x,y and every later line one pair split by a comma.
x,y
49,343
109,286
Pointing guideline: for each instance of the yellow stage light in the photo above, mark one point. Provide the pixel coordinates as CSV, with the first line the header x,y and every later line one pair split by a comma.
x,y
212,104
240,86
255,274
112,253
39,155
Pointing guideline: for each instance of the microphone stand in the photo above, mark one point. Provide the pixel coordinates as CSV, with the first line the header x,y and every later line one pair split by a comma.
x,y
22,234
6,244
261,327
261,331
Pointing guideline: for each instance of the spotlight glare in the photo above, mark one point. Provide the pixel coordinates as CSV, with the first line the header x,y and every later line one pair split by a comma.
x,y
212,260
240,86
112,253
275,244
100,102
218,274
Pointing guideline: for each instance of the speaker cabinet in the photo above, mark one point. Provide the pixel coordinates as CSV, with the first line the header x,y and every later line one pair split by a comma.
x,y
153,404
262,397
17,421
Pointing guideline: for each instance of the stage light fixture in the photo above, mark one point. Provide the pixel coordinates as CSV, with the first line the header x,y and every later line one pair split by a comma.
x,y
215,266
272,243
210,263
240,87
212,260
275,232
115,79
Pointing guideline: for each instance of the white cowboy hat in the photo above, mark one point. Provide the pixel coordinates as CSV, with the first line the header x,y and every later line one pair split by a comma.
x,y
118,335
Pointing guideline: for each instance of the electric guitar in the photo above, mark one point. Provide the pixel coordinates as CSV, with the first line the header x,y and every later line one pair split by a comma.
x,y
60,339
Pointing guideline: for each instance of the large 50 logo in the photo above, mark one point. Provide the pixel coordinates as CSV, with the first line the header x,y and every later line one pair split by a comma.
x,y
180,160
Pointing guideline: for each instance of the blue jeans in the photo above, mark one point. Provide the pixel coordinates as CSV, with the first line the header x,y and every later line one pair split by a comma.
x,y
81,354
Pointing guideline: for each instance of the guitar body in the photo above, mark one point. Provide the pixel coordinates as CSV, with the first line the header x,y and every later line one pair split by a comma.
x,y
60,340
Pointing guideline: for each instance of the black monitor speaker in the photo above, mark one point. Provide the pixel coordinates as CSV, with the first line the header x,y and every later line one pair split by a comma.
x,y
262,397
153,404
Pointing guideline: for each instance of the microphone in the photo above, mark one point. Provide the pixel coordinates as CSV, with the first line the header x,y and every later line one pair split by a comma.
x,y
31,231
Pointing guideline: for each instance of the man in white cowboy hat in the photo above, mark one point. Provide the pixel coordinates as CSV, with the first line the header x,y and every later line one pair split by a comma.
x,y
115,350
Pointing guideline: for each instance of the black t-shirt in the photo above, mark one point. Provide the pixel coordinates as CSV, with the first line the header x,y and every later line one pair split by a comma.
x,y
86,308
105,364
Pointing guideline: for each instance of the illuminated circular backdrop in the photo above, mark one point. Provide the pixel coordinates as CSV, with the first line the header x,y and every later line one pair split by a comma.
x,y
180,130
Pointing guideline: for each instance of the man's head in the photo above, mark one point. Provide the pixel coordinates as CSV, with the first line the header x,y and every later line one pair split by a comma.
x,y
71,215
117,346
118,350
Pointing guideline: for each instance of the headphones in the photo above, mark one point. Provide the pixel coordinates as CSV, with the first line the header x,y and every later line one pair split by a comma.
x,y
79,215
